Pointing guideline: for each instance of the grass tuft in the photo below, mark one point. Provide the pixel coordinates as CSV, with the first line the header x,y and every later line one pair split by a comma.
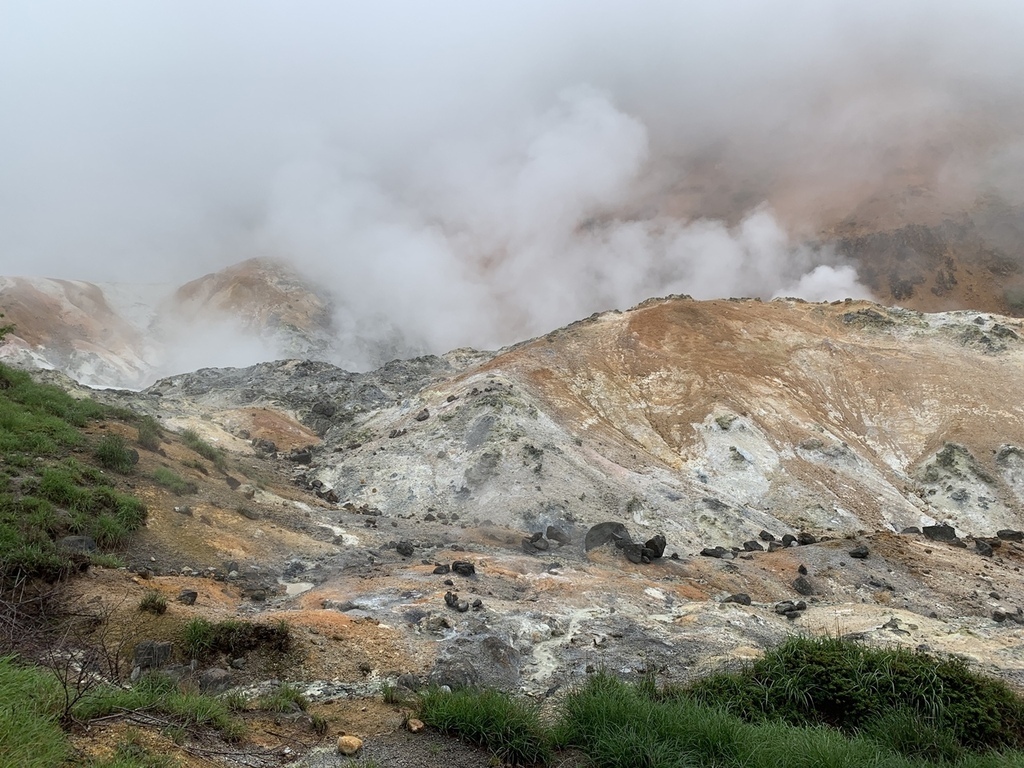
x,y
112,452
192,439
174,482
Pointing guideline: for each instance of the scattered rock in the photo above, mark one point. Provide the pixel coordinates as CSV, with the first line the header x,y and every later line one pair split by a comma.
x,y
451,599
656,546
740,597
983,548
463,568
602,533
300,456
422,415
860,552
765,536
804,586
188,596
215,680
791,610
557,534
405,548
752,546
1008,534
719,552
939,532
349,745
151,654
441,569
804,538
413,725
788,540
910,530
81,544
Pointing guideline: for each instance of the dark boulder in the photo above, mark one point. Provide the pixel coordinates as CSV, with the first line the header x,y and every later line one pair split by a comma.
x,y
788,540
740,597
188,596
422,415
602,533
752,546
1008,534
151,654
656,545
405,548
804,538
911,529
463,568
804,586
719,552
983,548
557,534
939,532
765,536
860,552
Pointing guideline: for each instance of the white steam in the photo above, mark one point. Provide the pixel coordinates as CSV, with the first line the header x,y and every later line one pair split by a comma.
x,y
459,173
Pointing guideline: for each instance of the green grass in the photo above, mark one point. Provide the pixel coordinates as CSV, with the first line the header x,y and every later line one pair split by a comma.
x,y
510,728
44,497
113,452
835,682
30,733
286,698
192,439
808,703
150,433
153,602
201,638
173,481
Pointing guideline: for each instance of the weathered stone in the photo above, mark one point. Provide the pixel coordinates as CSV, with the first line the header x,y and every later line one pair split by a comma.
x,y
788,540
441,569
804,538
740,597
752,546
1008,534
463,568
405,548
188,596
775,546
602,533
765,536
414,725
860,552
215,680
719,552
656,545
983,548
634,553
939,532
151,654
82,544
422,415
910,530
804,586
349,745
557,534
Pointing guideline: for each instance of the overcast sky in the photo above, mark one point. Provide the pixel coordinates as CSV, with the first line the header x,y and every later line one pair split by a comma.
x,y
420,155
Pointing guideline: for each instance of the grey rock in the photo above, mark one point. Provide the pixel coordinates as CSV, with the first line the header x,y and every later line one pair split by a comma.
x,y
804,586
983,548
1008,534
555,533
602,533
860,552
939,532
805,538
740,597
215,680
151,654
405,548
188,596
752,546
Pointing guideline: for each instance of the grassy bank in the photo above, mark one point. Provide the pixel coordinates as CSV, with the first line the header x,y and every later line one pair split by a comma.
x,y
809,702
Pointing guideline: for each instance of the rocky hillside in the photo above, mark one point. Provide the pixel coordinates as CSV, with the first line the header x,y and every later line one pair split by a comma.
x,y
499,518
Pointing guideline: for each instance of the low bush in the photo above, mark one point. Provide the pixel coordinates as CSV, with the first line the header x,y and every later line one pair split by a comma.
x,y
30,733
150,433
174,482
112,452
843,684
192,439
286,698
153,602
202,638
510,728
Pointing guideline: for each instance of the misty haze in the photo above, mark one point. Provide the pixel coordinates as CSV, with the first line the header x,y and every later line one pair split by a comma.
x,y
456,175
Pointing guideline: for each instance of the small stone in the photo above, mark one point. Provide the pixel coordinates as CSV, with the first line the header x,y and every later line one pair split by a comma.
x,y
939,532
804,586
463,568
1008,534
765,536
422,415
983,548
805,538
740,597
349,745
441,569
405,548
860,552
802,570
752,546
413,725
788,540
188,596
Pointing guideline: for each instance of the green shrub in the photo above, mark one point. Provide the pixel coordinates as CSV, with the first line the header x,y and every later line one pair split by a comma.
x,y
287,698
192,439
150,433
30,703
845,685
509,728
173,481
112,452
153,602
202,638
